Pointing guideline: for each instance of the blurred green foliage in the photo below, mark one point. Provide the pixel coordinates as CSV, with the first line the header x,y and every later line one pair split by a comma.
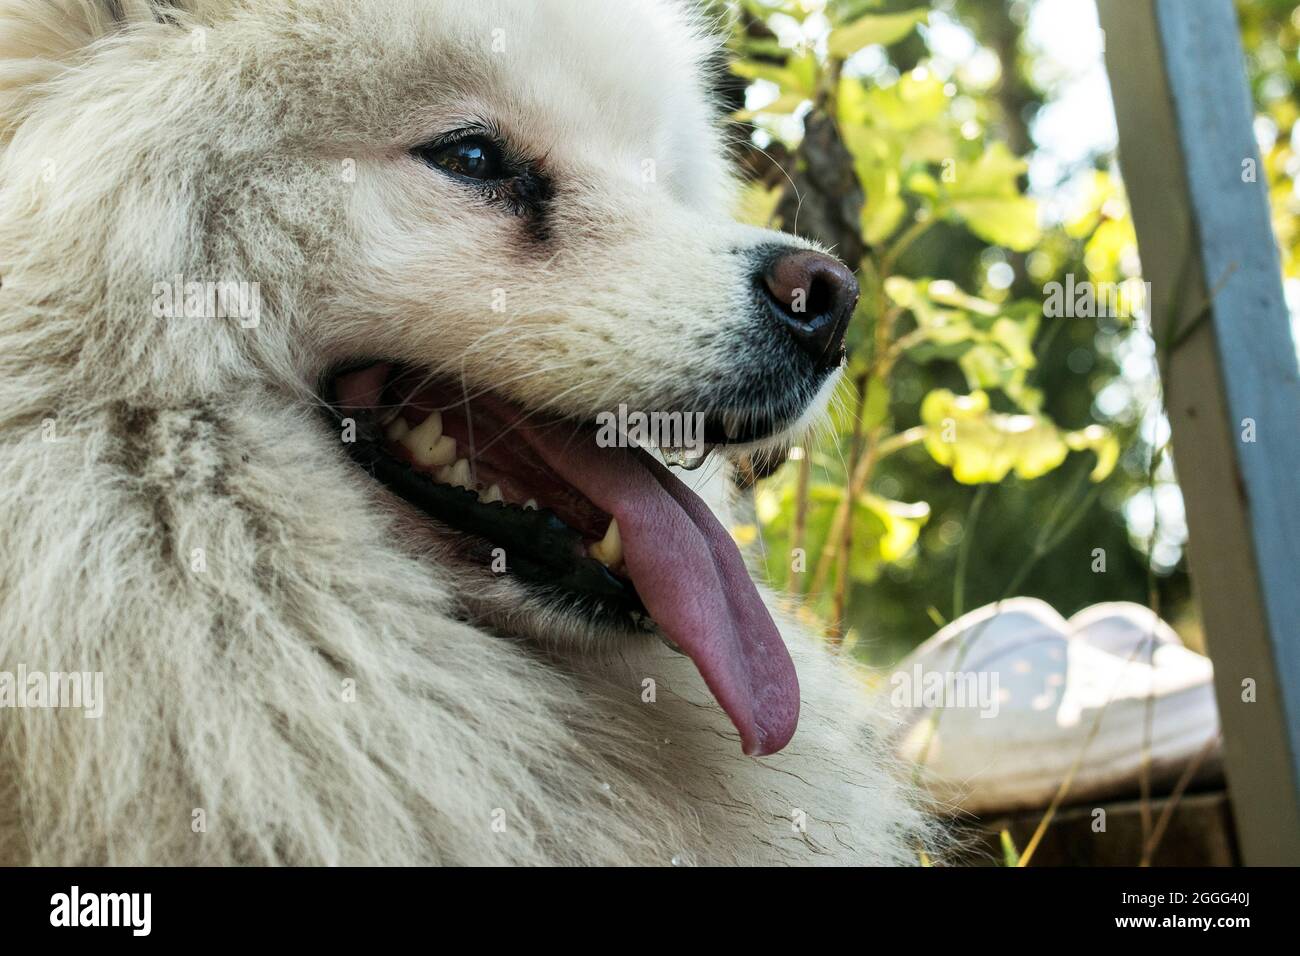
x,y
1271,34
862,137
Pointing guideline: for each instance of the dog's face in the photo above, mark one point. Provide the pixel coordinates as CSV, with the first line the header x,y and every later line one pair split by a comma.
x,y
546,215
479,227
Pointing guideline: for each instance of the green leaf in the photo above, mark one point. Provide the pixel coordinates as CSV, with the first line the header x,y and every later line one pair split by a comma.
x,y
882,213
1010,222
979,445
986,367
762,9
903,291
913,103
1102,442
884,532
992,343
923,185
902,521
884,28
931,144
846,11
1017,340
790,79
783,105
805,68
876,160
865,559
986,196
994,173
948,293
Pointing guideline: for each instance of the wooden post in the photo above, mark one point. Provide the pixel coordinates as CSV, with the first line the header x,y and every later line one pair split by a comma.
x,y
1199,200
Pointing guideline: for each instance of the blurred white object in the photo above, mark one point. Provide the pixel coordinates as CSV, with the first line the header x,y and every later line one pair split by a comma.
x,y
1021,698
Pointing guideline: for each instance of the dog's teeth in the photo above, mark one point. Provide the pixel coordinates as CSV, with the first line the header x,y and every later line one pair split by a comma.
x,y
429,430
492,494
609,550
459,474
456,475
397,429
428,445
531,504
441,452
685,458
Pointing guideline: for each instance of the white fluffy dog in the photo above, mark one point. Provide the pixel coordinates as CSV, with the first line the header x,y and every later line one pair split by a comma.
x,y
300,305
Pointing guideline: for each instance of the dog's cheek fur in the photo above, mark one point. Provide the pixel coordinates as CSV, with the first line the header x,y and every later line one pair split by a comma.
x,y
274,653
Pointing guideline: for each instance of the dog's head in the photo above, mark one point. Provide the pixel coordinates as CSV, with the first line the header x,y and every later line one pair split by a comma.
x,y
493,238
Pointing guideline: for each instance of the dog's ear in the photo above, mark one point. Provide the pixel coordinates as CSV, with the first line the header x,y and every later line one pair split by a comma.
x,y
39,39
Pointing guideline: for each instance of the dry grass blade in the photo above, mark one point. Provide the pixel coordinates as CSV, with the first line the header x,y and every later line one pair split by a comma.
x,y
1167,814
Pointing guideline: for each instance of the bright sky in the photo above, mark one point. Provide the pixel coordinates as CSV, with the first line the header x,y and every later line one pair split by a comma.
x,y
1079,121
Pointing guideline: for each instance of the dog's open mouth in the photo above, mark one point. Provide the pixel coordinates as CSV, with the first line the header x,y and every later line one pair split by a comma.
x,y
541,499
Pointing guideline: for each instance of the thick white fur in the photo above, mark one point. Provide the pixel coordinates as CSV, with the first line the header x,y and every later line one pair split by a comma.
x,y
266,141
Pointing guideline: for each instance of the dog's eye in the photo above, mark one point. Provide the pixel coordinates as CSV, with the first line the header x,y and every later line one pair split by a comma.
x,y
474,157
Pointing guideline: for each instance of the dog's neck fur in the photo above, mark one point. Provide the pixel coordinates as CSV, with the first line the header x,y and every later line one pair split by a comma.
x,y
233,579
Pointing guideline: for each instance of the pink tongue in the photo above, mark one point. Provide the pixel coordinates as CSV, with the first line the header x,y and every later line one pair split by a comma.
x,y
692,580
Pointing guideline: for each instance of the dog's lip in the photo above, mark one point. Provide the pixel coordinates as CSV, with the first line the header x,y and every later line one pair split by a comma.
x,y
543,549
546,547
745,430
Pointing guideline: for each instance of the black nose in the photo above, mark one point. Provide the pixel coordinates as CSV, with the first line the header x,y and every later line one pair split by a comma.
x,y
813,297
